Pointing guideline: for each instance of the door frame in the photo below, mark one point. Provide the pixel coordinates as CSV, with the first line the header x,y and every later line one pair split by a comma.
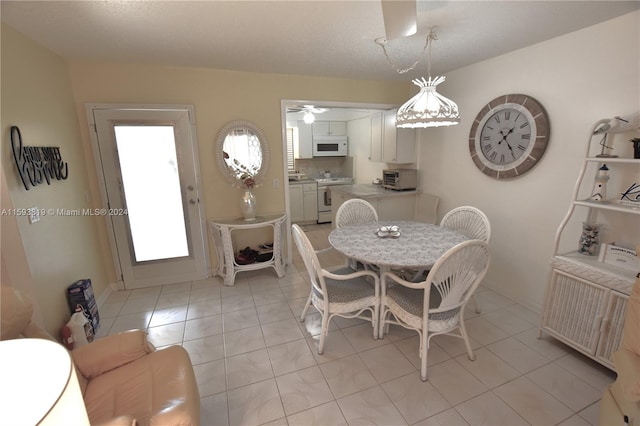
x,y
89,108
284,103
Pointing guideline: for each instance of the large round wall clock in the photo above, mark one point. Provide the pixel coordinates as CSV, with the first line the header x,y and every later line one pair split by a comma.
x,y
509,136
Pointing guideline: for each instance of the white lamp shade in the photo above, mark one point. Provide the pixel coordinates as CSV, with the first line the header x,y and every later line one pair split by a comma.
x,y
39,385
428,108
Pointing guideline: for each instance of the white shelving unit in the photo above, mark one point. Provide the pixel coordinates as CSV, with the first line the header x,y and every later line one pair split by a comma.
x,y
585,299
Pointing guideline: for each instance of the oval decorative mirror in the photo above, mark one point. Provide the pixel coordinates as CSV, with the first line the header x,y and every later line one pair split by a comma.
x,y
242,154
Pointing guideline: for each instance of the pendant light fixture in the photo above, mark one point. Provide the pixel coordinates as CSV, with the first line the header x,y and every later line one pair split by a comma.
x,y
428,108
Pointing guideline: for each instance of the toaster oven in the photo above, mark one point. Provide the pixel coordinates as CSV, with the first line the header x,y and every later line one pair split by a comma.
x,y
400,179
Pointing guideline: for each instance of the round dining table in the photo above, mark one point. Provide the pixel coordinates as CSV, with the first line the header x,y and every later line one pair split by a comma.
x,y
418,246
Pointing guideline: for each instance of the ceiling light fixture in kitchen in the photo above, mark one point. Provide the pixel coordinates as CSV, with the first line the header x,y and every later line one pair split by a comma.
x,y
308,112
308,117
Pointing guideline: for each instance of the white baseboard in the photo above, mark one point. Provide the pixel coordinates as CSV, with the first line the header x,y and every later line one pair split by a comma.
x,y
101,300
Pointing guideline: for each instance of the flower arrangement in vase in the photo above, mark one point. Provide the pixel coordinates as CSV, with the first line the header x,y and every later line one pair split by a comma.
x,y
245,177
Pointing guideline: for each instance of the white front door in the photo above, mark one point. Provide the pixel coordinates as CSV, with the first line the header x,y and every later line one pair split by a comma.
x,y
147,157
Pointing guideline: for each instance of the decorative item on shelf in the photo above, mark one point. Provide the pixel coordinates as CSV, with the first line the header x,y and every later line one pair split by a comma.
x,y
616,124
245,176
248,200
621,257
242,155
631,196
599,192
603,144
636,147
588,244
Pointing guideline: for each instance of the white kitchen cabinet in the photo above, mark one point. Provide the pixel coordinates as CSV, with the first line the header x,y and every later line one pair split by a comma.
x,y
310,202
329,128
586,299
398,145
296,203
388,143
303,199
304,146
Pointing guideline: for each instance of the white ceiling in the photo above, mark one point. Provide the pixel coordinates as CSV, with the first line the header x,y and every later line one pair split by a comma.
x,y
323,38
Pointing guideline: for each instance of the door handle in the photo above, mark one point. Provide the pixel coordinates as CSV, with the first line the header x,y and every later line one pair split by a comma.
x,y
192,201
190,188
327,197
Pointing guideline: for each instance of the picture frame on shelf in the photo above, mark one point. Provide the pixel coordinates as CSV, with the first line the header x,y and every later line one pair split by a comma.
x,y
621,257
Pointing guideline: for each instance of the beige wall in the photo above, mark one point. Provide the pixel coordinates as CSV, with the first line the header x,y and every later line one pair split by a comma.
x,y
36,97
38,90
579,78
219,97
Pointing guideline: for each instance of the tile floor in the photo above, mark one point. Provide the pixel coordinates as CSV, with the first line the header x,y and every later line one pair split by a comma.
x,y
256,363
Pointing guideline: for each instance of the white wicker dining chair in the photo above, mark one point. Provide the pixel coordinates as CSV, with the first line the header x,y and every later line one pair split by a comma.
x,y
352,212
435,305
355,210
344,292
471,222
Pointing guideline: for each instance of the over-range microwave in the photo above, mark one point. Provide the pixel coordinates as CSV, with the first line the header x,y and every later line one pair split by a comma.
x,y
400,179
330,146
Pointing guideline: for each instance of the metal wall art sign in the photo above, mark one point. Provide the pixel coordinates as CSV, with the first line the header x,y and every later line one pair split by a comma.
x,y
631,196
37,163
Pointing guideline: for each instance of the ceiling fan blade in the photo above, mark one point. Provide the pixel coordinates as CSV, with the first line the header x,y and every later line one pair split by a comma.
x,y
400,18
307,108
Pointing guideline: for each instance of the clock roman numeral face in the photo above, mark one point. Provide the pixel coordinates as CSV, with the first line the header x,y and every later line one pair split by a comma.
x,y
509,136
505,136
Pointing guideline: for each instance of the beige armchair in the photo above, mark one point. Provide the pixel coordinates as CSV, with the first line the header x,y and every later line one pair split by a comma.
x,y
123,379
622,398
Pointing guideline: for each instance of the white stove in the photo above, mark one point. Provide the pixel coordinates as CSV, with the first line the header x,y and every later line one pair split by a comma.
x,y
324,196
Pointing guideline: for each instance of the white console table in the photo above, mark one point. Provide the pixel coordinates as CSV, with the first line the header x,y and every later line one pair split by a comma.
x,y
221,233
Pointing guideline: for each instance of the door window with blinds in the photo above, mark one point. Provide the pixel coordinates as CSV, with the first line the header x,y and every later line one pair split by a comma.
x,y
290,155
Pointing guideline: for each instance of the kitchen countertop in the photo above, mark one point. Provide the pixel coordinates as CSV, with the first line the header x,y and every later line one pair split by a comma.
x,y
370,191
297,181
